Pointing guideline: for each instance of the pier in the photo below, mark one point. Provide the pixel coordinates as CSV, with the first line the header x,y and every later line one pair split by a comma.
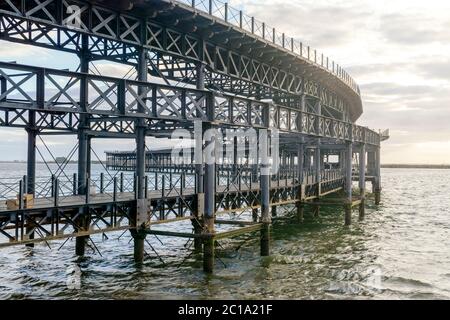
x,y
201,68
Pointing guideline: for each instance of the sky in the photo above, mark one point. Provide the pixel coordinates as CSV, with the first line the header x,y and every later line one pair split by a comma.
x,y
398,51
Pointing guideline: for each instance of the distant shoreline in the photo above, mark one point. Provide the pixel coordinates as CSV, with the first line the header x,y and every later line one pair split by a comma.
x,y
385,166
415,166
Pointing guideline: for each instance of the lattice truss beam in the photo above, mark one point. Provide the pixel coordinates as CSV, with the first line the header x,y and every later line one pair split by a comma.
x,y
115,37
60,96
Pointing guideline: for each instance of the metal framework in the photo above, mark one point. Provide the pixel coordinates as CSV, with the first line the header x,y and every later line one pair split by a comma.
x,y
197,61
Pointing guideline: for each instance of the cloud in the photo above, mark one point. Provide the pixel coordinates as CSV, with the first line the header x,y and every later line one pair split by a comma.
x,y
439,69
413,30
395,89
318,23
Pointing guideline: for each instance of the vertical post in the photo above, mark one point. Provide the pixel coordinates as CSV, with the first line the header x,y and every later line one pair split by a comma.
x,y
83,148
56,194
31,164
300,206
20,195
141,211
115,190
265,192
74,184
318,175
102,182
348,187
362,180
199,169
210,190
378,176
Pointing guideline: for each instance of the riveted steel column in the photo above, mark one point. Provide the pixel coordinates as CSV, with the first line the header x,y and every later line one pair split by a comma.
x,y
199,169
31,165
210,194
141,207
265,192
83,148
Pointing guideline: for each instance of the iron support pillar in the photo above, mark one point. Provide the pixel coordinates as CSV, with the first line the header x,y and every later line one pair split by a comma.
x,y
210,194
200,193
31,165
301,162
138,246
362,180
83,150
318,169
265,193
141,207
300,206
348,184
377,176
199,169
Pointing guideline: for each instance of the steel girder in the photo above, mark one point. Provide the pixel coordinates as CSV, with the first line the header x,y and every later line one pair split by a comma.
x,y
114,36
109,99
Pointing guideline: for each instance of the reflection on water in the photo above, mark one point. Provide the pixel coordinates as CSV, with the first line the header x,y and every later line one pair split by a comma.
x,y
399,251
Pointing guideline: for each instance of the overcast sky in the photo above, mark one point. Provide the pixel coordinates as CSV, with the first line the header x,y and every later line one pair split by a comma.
x,y
397,50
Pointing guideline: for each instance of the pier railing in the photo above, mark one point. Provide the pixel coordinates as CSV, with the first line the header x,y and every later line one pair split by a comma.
x,y
244,22
71,92
166,183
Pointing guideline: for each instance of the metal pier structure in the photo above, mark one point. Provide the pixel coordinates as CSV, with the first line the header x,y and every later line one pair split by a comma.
x,y
196,64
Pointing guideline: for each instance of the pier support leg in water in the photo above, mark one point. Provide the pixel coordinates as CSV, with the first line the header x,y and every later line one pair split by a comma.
x,y
348,214
349,184
209,246
378,176
265,193
31,166
300,212
139,244
141,220
210,190
199,167
362,181
83,150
